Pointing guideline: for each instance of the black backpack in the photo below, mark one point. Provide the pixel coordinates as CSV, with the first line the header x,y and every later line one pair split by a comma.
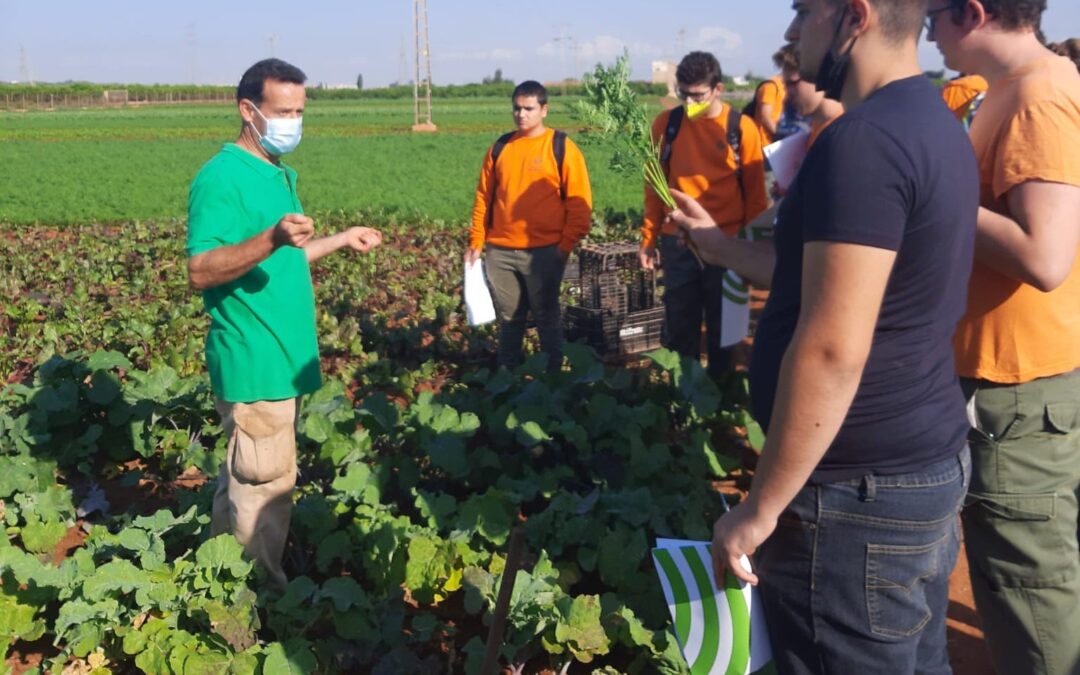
x,y
558,148
734,139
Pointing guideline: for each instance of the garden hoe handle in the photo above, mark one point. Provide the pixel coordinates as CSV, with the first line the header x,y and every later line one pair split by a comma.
x,y
502,605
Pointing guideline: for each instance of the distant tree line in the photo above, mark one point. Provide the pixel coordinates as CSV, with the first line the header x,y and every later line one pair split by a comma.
x,y
493,86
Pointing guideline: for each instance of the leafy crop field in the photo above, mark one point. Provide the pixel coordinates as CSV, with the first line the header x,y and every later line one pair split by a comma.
x,y
82,166
417,458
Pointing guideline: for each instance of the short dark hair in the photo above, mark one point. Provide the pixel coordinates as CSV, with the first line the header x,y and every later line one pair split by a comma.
x,y
900,19
786,58
699,67
1015,14
1070,49
255,77
531,88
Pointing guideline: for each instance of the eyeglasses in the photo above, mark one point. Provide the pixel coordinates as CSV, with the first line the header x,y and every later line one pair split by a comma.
x,y
695,96
930,22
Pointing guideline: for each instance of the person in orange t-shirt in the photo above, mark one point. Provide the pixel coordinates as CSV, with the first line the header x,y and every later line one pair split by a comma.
x,y
533,205
769,105
701,162
1018,345
963,95
808,103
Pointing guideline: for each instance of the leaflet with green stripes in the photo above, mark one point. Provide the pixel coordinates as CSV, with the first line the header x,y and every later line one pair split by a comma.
x,y
735,304
720,631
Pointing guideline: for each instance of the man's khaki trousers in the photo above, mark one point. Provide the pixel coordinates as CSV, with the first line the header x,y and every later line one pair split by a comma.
x,y
253,500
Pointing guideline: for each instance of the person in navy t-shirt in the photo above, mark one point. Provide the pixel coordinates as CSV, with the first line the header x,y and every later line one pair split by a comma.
x,y
852,511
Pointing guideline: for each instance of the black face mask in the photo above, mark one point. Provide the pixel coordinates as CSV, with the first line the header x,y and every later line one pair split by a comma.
x,y
833,71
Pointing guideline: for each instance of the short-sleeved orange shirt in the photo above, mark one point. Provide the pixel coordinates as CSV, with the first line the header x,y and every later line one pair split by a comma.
x,y
771,92
1027,129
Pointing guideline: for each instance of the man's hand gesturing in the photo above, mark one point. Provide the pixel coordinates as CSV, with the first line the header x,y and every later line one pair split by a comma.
x,y
294,229
362,239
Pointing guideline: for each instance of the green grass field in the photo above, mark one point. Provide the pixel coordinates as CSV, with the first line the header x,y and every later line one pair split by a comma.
x,y
110,165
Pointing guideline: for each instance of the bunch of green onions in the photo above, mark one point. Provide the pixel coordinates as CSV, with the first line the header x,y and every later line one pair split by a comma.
x,y
609,108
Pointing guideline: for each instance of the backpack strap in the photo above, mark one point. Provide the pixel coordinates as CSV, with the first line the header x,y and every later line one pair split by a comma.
x,y
734,139
496,150
558,146
972,108
675,118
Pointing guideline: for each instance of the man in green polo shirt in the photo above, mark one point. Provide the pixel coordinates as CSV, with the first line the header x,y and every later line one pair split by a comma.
x,y
249,246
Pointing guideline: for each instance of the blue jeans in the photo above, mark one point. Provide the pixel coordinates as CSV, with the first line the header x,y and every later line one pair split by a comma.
x,y
855,579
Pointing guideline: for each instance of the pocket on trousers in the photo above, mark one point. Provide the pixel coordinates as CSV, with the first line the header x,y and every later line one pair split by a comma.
x,y
896,581
265,440
1062,418
995,413
1018,540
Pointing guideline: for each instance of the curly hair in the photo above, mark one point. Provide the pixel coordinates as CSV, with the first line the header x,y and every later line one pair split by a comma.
x,y
786,58
699,67
1070,49
1009,14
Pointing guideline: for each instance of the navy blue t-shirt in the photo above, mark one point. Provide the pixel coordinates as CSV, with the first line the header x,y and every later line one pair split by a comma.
x,y
898,173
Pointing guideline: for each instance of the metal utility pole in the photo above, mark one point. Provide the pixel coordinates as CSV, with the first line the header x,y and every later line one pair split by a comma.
x,y
422,114
680,44
272,40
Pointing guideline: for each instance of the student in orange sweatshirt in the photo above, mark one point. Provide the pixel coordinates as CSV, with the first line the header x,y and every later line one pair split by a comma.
x,y
533,205
701,161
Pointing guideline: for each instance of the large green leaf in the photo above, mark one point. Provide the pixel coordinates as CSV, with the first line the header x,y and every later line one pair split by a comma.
x,y
42,537
579,628
293,658
344,593
490,515
223,552
107,360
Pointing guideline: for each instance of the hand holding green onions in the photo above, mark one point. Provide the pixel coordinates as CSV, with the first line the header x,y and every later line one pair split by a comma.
x,y
610,107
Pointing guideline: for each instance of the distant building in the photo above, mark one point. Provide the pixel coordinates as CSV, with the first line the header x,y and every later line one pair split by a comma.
x,y
663,72
740,81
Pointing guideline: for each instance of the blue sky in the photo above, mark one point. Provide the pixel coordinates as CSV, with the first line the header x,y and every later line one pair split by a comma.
x,y
213,41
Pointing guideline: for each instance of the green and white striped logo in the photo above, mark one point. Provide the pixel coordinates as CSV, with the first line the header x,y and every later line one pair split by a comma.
x,y
720,631
735,298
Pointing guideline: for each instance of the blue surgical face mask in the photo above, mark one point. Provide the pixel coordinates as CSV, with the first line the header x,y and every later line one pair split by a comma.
x,y
282,133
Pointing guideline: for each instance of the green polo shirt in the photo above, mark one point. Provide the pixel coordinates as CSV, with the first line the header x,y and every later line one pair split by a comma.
x,y
261,345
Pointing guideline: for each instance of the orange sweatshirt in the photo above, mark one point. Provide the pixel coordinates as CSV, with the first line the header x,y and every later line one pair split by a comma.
x,y
529,211
703,166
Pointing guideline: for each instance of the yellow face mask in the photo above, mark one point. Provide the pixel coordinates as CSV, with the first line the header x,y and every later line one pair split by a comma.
x,y
695,110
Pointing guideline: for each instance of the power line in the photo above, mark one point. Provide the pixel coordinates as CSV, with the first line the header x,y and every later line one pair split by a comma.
x,y
562,39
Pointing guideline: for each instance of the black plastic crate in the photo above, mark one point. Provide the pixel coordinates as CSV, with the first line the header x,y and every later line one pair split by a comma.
x,y
612,334
611,302
610,277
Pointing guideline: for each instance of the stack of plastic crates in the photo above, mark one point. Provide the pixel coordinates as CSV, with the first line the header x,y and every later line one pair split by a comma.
x,y
612,303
